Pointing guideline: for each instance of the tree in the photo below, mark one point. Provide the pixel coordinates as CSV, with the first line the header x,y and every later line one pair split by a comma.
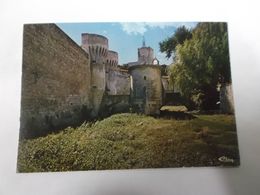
x,y
201,63
168,46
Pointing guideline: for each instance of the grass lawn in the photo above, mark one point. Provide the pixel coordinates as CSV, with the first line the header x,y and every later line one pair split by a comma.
x,y
125,141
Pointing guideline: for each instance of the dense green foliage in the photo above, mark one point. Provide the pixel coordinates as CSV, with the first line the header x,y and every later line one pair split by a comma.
x,y
201,63
168,46
125,141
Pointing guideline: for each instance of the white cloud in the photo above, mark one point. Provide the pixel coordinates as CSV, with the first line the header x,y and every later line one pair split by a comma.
x,y
134,28
161,25
141,27
174,24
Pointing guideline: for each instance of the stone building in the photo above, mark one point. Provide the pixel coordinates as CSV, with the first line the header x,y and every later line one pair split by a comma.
x,y
146,82
97,48
64,84
146,87
145,55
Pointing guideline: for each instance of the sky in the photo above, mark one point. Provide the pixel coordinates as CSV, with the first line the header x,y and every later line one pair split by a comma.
x,y
126,38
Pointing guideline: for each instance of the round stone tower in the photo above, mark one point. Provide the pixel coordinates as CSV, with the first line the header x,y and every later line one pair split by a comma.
x,y
112,58
97,47
145,55
146,87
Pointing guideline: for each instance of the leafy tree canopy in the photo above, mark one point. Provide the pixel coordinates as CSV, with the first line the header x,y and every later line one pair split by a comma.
x,y
201,62
168,46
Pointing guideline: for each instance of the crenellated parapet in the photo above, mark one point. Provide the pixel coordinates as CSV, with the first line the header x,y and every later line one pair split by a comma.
x,y
97,47
112,58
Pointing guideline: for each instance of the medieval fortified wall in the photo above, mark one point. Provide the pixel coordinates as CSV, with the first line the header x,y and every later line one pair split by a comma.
x,y
56,81
64,84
